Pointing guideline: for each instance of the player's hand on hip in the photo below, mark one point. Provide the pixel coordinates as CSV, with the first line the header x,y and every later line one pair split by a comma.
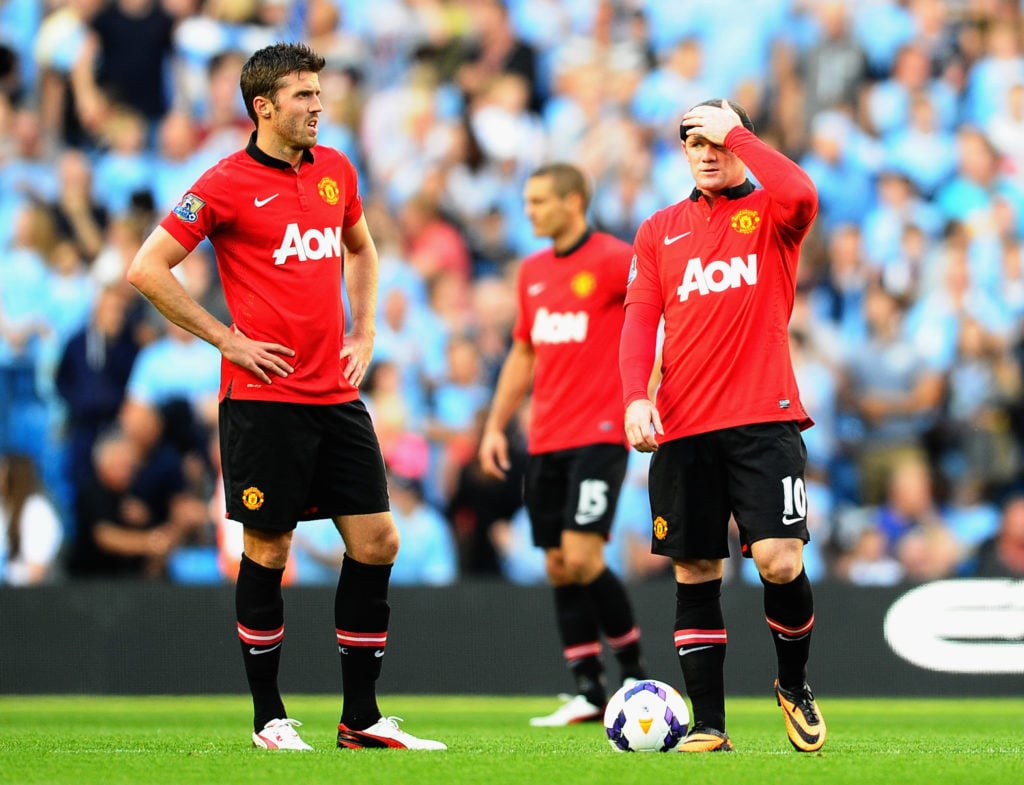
x,y
494,454
355,358
643,425
261,358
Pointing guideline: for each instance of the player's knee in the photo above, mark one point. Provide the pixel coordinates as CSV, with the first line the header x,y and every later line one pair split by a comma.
x,y
554,567
582,568
783,569
382,549
778,560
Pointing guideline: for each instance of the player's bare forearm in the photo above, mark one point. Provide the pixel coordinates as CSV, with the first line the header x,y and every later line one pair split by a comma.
x,y
361,281
150,273
513,384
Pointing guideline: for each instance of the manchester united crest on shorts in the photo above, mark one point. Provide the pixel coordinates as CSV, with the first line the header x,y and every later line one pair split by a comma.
x,y
252,498
660,528
328,190
745,221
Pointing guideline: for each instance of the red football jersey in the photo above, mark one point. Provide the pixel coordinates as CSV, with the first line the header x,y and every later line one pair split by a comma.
x,y
277,235
570,312
724,278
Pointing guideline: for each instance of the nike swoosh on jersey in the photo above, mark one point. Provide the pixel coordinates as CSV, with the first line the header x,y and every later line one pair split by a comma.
x,y
535,288
787,521
670,240
261,202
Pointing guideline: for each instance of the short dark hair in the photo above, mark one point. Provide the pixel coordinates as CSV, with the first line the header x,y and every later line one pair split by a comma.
x,y
264,70
744,117
567,179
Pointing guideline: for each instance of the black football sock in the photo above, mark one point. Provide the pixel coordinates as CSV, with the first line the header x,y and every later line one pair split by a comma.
x,y
361,615
700,641
789,611
259,609
611,604
581,643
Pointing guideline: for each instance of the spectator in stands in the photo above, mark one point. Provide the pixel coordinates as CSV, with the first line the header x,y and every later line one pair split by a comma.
x,y
897,205
893,391
177,162
59,45
983,383
124,167
117,535
922,149
26,168
1002,556
92,375
834,67
679,80
450,425
889,102
80,216
23,328
990,77
389,408
178,366
841,170
494,50
125,61
1006,129
223,124
31,532
907,536
431,243
428,553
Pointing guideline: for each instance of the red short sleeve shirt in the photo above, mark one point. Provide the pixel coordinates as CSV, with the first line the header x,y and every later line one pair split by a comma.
x,y
277,233
571,313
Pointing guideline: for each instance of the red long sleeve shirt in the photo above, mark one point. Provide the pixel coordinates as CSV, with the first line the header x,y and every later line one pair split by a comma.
x,y
723,277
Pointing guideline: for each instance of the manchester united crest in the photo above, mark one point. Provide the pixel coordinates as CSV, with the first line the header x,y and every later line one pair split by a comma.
x,y
660,528
328,190
583,284
252,498
745,221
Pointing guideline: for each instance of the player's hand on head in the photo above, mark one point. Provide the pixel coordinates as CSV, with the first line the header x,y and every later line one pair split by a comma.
x,y
262,358
711,122
643,426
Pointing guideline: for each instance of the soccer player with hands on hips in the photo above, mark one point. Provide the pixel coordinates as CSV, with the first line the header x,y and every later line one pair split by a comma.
x,y
563,355
719,267
285,217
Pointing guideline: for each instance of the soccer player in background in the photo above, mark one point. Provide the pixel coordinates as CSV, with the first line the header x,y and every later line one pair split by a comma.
x,y
724,427
284,215
565,344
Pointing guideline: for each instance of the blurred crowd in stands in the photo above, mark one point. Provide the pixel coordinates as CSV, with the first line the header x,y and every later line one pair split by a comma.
x,y
907,331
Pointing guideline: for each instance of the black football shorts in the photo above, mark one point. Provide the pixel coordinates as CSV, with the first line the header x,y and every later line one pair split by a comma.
x,y
573,490
290,462
753,472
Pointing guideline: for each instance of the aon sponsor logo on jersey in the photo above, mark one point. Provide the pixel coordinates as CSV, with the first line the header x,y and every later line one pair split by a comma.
x,y
717,276
559,327
312,244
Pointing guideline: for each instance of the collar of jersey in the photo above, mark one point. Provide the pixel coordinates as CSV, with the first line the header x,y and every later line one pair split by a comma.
x,y
736,192
268,160
578,244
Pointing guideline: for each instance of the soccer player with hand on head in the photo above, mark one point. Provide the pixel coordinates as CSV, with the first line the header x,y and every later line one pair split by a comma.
x,y
564,352
724,428
285,218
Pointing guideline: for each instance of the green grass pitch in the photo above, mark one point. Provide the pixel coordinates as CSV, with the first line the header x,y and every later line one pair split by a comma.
x,y
185,740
